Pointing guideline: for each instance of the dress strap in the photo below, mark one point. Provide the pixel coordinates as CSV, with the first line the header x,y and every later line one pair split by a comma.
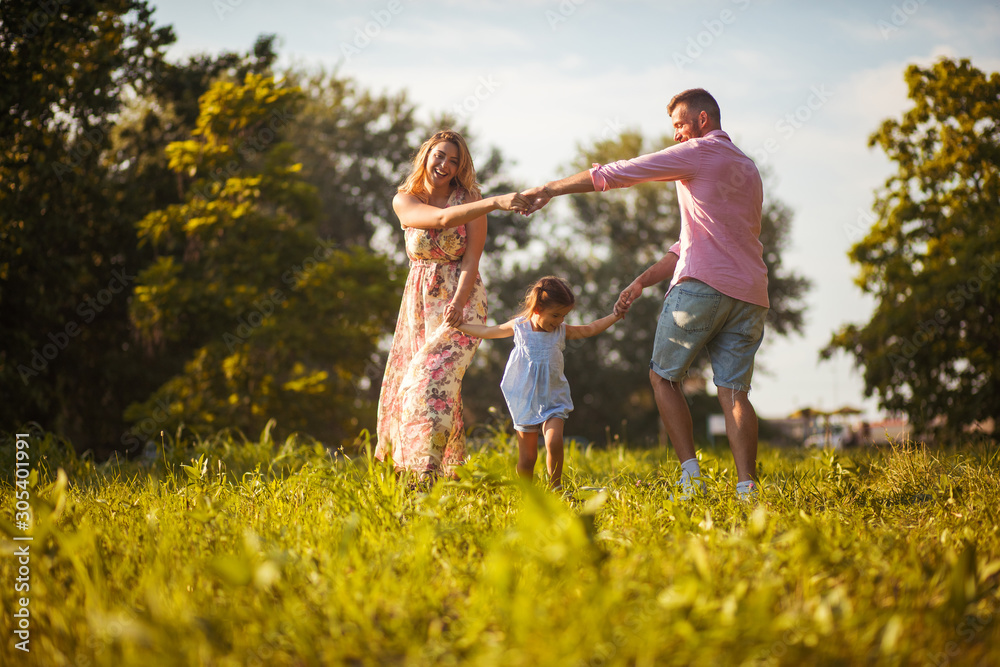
x,y
519,325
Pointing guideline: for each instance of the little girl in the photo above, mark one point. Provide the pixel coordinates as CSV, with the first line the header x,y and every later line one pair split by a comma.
x,y
534,384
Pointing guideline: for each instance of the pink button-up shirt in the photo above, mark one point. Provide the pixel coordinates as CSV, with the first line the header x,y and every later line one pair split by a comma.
x,y
720,196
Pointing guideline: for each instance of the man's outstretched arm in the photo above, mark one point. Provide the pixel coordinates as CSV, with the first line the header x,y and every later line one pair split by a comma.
x,y
540,196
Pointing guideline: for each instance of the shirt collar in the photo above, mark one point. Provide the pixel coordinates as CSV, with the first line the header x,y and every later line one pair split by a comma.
x,y
717,133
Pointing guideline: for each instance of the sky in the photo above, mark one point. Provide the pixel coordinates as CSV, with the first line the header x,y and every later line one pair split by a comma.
x,y
801,86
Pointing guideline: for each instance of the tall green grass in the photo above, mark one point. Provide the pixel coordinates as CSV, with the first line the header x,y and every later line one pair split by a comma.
x,y
229,551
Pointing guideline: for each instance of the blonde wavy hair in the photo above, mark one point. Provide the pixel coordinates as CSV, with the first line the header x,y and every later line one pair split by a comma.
x,y
415,183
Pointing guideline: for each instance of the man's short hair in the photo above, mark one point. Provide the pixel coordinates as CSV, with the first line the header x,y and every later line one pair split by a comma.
x,y
697,100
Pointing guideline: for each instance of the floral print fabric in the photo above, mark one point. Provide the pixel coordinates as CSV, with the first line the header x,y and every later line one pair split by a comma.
x,y
420,408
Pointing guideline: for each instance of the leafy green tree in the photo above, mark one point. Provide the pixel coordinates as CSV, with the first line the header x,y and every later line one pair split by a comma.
x,y
68,256
931,259
609,240
167,111
92,105
354,147
264,318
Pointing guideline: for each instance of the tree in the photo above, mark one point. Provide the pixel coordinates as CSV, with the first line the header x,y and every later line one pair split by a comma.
x,y
354,148
609,240
167,111
931,259
67,247
267,319
92,105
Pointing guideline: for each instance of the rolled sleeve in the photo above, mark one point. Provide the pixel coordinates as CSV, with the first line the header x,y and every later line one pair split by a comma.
x,y
674,163
600,184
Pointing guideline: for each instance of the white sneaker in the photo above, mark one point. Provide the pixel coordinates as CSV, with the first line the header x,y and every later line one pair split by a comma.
x,y
689,487
748,493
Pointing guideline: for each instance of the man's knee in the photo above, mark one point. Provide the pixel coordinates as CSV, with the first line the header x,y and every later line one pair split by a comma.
x,y
727,395
658,380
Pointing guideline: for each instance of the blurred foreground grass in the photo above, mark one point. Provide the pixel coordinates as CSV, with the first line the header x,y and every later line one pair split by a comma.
x,y
233,552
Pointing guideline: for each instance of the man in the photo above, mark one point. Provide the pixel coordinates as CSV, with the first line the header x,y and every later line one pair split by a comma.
x,y
717,299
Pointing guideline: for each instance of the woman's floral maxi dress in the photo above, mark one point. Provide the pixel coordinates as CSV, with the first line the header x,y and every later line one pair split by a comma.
x,y
420,408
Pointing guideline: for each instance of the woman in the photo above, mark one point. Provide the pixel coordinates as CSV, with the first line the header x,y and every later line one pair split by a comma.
x,y
444,218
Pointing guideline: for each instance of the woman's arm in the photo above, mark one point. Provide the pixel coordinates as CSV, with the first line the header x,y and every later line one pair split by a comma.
x,y
414,213
505,330
592,329
475,242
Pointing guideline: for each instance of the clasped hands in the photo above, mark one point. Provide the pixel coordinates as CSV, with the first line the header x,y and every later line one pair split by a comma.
x,y
526,202
625,299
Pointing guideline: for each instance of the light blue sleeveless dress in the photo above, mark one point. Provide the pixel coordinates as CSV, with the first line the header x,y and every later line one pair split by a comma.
x,y
534,384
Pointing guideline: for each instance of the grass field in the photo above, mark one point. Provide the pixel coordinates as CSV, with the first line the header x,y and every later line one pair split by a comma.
x,y
233,552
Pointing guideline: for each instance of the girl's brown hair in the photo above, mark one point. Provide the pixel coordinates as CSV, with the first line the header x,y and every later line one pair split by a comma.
x,y
465,177
548,292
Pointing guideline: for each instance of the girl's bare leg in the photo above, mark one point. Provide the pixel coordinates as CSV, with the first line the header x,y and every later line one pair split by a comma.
x,y
553,431
527,454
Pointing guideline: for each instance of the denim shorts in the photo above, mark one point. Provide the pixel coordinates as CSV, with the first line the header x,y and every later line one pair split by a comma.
x,y
696,316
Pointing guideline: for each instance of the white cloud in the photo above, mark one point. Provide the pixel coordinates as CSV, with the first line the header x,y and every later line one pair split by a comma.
x,y
870,95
